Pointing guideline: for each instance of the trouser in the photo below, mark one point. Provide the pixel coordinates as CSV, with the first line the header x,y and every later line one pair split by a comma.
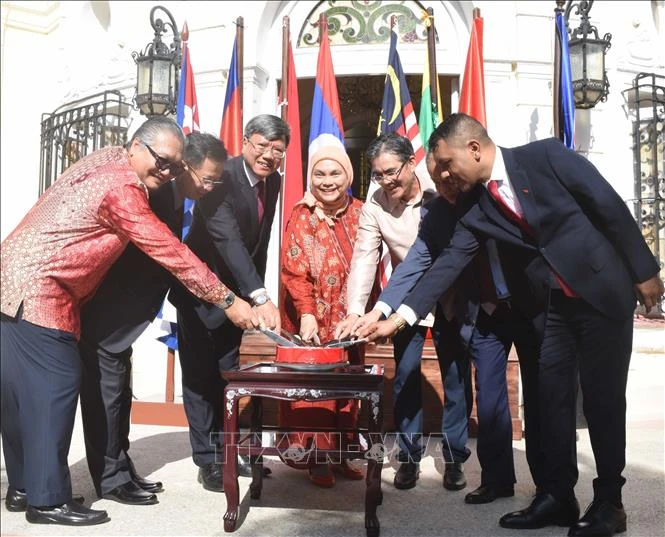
x,y
106,403
407,391
579,338
204,354
40,382
489,346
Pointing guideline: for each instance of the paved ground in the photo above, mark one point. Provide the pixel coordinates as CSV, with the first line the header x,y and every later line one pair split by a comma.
x,y
291,507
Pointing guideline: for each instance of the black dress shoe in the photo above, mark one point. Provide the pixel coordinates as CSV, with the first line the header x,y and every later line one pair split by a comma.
x,y
210,476
485,494
67,514
545,510
601,519
150,486
453,476
131,494
407,475
245,467
17,500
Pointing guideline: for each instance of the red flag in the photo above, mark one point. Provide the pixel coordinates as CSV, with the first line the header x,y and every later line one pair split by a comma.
x,y
187,111
293,184
231,131
472,96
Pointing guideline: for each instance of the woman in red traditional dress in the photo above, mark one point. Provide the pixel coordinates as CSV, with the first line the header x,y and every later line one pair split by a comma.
x,y
316,256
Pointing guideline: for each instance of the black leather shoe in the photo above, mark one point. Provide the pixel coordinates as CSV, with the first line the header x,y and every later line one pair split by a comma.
x,y
545,510
601,519
131,494
210,476
67,514
16,500
484,494
150,486
245,467
407,475
453,476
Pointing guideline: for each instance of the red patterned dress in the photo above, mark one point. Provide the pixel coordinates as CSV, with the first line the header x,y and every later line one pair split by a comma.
x,y
316,258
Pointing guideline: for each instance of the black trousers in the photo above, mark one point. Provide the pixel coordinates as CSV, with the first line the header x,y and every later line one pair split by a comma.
x,y
579,338
106,404
203,355
40,381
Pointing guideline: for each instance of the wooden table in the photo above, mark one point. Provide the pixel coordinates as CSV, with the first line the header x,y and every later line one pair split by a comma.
x,y
268,380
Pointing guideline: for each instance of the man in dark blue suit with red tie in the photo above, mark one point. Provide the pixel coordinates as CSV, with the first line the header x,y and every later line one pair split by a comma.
x,y
583,261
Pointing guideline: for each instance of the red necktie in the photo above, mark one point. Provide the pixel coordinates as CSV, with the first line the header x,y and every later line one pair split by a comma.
x,y
260,198
493,189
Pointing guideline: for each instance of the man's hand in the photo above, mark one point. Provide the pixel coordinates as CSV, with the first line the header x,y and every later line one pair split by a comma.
x,y
269,316
364,321
650,291
309,328
343,328
242,315
379,331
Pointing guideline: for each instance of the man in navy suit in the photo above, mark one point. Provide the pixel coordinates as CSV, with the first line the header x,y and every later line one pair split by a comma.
x,y
583,261
126,302
230,233
488,325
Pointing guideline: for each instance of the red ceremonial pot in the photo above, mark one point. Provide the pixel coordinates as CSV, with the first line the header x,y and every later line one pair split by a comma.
x,y
310,355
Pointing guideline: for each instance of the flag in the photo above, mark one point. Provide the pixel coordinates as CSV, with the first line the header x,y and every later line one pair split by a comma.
x,y
472,96
431,114
231,130
293,185
187,116
564,103
326,125
397,115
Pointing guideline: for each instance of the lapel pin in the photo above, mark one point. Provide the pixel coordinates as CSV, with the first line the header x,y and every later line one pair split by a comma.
x,y
525,190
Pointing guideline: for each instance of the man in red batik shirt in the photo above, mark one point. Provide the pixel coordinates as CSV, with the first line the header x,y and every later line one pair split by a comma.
x,y
52,263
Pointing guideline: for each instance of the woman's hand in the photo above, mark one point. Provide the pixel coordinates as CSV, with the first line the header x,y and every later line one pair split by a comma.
x,y
309,328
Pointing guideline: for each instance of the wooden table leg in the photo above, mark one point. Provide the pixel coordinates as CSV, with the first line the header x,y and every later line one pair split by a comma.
x,y
373,494
256,429
231,435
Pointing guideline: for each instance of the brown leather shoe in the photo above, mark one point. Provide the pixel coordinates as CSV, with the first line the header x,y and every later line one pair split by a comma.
x,y
321,475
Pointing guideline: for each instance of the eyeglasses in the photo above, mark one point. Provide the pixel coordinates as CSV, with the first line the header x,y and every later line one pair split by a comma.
x,y
388,176
262,148
207,182
163,164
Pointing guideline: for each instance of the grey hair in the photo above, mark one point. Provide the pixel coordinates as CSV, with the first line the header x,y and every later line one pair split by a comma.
x,y
149,131
270,127
392,142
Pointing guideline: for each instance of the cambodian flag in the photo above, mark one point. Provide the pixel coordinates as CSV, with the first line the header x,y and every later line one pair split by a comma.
x,y
326,126
231,131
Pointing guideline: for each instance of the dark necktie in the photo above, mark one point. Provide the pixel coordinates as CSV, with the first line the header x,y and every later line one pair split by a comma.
x,y
260,198
493,189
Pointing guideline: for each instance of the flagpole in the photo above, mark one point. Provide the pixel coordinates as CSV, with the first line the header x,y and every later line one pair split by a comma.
x,y
556,88
431,59
284,114
240,36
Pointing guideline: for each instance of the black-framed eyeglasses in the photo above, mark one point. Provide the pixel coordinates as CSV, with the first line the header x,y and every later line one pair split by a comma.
x,y
277,152
163,164
207,181
390,175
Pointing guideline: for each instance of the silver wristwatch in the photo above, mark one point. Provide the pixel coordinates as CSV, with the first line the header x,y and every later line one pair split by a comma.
x,y
227,301
260,300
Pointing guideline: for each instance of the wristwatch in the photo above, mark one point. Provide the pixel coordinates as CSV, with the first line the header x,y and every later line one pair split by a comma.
x,y
227,301
260,300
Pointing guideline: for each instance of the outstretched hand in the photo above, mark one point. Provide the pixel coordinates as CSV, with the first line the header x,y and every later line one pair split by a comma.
x,y
242,314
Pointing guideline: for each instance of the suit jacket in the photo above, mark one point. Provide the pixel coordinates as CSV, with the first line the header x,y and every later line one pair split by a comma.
x,y
132,292
226,235
580,228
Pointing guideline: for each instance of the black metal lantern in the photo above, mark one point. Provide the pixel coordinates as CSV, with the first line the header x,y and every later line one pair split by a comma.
x,y
157,69
587,58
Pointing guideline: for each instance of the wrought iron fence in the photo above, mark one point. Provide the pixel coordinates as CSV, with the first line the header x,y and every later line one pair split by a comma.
x,y
78,128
